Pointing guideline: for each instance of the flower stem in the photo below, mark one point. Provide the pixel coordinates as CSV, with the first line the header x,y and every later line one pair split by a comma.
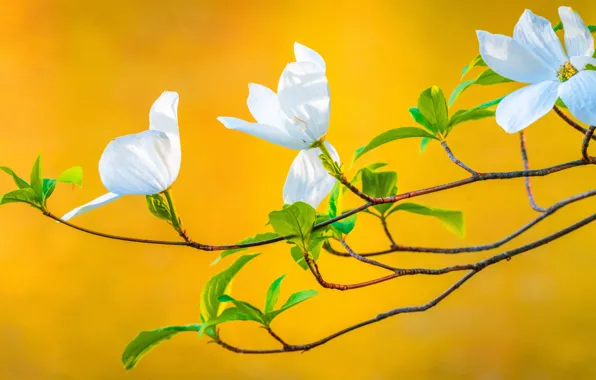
x,y
175,220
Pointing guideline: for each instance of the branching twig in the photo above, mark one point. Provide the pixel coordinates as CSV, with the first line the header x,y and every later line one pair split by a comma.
x,y
457,161
364,259
477,248
473,270
586,144
524,154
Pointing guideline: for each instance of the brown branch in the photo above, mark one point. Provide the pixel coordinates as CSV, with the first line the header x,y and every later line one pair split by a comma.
x,y
524,154
477,248
473,270
387,232
364,259
572,123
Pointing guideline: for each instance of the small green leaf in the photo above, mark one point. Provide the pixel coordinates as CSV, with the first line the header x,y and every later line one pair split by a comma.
x,y
558,26
358,176
36,179
146,340
452,220
560,103
298,257
423,143
217,286
72,176
420,119
249,310
159,207
589,66
379,185
433,106
292,301
252,239
486,78
48,188
389,136
345,226
273,294
27,195
228,315
470,115
477,61
21,183
296,222
592,28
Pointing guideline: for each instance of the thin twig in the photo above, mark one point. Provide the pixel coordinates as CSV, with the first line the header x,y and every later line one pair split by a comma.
x,y
473,270
387,232
457,161
586,144
364,259
524,154
572,123
477,248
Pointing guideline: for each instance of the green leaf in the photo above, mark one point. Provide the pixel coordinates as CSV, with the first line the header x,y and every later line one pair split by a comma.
x,y
298,257
452,220
159,207
217,286
292,301
252,312
476,114
273,294
420,119
228,315
36,179
379,185
21,183
433,106
477,61
558,26
345,226
72,176
252,239
391,135
146,340
27,195
296,222
48,188
486,78
592,28
423,143
589,66
488,104
358,176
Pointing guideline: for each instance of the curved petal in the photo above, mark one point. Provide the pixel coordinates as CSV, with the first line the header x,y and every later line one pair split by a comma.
x,y
306,54
264,105
510,59
526,105
578,39
142,163
579,95
265,132
580,63
308,181
163,115
303,94
98,202
536,34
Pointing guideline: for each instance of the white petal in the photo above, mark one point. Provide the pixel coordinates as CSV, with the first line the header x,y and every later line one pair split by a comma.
x,y
526,105
98,202
163,115
579,95
580,63
510,59
308,181
306,54
578,39
264,105
142,163
303,94
536,34
265,132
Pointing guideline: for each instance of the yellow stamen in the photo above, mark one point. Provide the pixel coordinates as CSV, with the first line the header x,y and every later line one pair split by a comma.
x,y
566,71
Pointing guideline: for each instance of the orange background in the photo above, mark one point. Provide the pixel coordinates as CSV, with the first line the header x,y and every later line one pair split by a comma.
x,y
76,74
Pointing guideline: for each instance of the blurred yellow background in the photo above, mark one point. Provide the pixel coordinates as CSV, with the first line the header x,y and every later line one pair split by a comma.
x,y
76,74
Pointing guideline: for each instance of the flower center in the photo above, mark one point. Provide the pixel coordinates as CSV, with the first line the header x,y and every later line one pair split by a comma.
x,y
566,71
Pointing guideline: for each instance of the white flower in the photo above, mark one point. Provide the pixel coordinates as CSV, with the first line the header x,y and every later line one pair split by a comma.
x,y
298,115
143,163
535,55
308,181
